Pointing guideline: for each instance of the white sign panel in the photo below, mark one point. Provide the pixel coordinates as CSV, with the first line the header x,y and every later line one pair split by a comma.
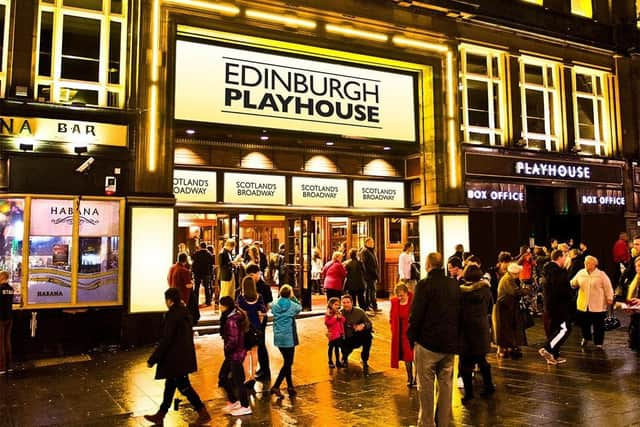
x,y
216,84
99,218
254,189
194,186
378,194
51,217
319,192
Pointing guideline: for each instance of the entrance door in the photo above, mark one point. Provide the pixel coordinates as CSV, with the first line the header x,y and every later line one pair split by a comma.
x,y
300,238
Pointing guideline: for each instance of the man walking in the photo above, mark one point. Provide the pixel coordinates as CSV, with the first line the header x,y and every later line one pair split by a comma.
x,y
202,268
557,304
434,334
371,276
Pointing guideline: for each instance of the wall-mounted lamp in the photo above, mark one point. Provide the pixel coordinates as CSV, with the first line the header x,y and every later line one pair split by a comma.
x,y
79,149
26,146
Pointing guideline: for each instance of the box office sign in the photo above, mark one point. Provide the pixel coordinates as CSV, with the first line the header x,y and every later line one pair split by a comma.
x,y
319,192
531,168
378,194
194,186
70,131
217,84
254,189
600,200
503,196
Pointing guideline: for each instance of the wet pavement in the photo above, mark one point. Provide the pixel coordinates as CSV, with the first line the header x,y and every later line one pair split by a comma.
x,y
595,388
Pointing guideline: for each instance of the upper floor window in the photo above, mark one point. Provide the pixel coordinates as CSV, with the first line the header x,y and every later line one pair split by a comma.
x,y
582,8
483,95
4,43
541,104
591,111
81,52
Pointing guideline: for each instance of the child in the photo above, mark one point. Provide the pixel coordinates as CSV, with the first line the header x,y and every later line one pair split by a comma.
x,y
399,320
335,326
231,376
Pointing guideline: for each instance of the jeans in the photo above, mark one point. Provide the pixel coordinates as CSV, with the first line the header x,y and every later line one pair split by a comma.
x,y
334,347
285,371
182,384
358,339
206,282
370,295
595,319
5,344
429,367
231,378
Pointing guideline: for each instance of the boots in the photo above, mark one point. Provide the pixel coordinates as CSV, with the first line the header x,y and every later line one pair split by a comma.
x,y
203,418
157,419
468,386
410,379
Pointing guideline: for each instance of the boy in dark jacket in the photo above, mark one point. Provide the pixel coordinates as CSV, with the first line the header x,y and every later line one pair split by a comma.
x,y
175,356
557,305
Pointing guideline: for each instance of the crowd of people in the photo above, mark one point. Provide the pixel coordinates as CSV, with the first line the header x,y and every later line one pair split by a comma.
x,y
459,308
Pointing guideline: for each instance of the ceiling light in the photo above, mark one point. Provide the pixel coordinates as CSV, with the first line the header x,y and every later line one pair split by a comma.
x,y
329,143
418,44
289,21
387,148
352,32
190,131
264,137
227,9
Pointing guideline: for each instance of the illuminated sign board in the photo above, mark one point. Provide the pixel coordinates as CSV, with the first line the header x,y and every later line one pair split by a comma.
x,y
600,200
254,189
496,195
194,186
319,192
378,194
217,84
70,131
543,170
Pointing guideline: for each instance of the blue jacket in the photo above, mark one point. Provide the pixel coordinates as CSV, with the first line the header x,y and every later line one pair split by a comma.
x,y
284,317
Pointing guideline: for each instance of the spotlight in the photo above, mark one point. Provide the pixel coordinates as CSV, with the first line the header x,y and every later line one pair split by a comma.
x,y
79,149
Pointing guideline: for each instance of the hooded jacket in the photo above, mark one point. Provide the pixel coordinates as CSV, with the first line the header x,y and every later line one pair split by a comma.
x,y
557,291
476,303
233,337
284,313
175,354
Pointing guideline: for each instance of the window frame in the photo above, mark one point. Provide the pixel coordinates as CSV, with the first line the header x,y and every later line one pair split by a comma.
x,y
602,143
56,82
551,136
578,8
490,79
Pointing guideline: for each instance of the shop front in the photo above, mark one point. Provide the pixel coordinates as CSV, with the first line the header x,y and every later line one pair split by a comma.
x,y
519,199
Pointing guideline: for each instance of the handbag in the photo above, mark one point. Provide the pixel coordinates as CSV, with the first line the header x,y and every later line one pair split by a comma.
x,y
611,323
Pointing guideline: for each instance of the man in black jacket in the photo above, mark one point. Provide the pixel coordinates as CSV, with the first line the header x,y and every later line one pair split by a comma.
x,y
371,275
557,305
202,268
175,356
435,336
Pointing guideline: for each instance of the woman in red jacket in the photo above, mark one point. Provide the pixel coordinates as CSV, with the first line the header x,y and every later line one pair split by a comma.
x,y
334,274
399,320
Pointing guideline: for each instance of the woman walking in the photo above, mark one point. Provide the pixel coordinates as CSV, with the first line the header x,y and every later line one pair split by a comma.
x,y
399,320
476,305
175,356
354,284
254,307
285,336
231,375
508,326
334,274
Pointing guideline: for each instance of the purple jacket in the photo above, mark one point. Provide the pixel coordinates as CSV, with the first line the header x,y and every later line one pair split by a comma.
x,y
233,338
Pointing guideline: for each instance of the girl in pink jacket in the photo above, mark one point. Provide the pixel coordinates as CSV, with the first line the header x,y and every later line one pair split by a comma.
x,y
335,330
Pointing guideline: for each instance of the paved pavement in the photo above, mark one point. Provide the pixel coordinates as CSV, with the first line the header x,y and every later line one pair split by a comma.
x,y
595,388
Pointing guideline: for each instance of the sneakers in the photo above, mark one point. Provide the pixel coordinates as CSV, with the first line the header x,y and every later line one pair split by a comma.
x,y
560,360
548,356
583,342
230,407
242,411
460,382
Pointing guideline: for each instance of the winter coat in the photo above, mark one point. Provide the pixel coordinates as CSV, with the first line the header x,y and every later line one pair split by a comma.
x,y
233,337
175,354
508,325
284,317
399,321
335,326
355,276
334,274
435,313
202,263
476,308
370,262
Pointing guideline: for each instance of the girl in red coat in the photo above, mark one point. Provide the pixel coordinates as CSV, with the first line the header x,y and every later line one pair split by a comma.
x,y
399,319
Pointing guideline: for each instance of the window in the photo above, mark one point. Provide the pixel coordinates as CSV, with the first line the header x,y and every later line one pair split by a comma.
x,y
538,2
483,95
582,8
81,52
541,106
4,43
591,111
